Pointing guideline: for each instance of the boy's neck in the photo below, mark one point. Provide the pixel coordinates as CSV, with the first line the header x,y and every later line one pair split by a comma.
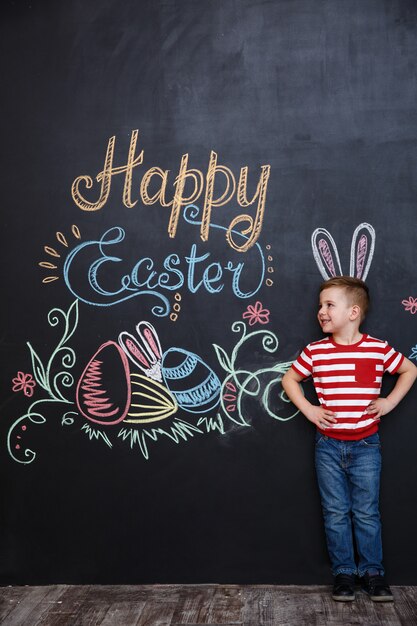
x,y
348,337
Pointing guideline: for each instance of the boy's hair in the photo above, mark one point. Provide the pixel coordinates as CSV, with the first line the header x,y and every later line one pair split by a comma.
x,y
356,291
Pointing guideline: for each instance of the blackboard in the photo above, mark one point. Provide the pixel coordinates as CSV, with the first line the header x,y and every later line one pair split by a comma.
x,y
177,178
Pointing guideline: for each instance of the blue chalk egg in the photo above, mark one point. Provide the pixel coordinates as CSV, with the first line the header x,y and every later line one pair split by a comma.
x,y
192,382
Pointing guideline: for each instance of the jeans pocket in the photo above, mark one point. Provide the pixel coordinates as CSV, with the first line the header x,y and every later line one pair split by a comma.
x,y
320,438
371,442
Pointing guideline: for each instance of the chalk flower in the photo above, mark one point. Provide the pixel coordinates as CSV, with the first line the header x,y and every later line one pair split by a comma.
x,y
410,305
24,382
256,314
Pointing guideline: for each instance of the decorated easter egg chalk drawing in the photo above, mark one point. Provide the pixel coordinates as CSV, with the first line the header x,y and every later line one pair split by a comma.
x,y
103,391
151,401
191,381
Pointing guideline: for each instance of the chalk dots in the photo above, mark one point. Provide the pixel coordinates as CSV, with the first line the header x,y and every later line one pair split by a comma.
x,y
270,269
177,307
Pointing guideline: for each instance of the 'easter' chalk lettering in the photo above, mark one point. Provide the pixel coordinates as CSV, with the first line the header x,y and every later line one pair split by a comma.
x,y
94,261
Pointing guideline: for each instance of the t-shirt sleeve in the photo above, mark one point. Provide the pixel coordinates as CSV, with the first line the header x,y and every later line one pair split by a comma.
x,y
392,359
303,365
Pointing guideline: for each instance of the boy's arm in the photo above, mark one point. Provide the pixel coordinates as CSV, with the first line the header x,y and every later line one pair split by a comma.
x,y
407,373
323,418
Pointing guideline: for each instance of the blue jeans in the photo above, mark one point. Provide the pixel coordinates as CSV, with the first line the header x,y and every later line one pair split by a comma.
x,y
348,475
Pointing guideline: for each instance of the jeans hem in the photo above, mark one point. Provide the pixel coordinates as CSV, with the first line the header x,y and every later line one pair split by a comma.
x,y
380,572
344,570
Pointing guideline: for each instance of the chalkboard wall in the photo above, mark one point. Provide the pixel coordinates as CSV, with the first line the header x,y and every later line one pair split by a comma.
x,y
177,179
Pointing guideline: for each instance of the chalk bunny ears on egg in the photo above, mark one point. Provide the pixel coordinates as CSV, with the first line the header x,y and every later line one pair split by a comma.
x,y
144,350
361,252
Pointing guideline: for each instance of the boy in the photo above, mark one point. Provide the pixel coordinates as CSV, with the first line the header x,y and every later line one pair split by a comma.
x,y
347,368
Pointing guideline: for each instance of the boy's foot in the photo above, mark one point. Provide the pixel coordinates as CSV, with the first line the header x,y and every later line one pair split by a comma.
x,y
376,588
344,588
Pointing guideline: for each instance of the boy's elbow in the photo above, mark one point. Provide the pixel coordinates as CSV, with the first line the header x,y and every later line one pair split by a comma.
x,y
411,368
287,379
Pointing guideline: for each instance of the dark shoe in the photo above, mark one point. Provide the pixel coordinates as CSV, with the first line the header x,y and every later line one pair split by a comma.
x,y
376,588
344,588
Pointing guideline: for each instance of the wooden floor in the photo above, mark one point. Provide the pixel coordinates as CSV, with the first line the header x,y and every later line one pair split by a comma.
x,y
173,605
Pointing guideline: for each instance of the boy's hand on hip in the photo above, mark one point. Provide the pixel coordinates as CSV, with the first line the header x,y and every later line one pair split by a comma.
x,y
321,417
379,407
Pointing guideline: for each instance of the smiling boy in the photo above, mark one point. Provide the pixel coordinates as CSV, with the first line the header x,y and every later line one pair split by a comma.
x,y
347,369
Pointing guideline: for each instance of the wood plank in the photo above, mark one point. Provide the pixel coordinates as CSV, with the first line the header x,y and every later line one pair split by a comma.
x,y
314,606
226,606
87,604
193,605
362,611
123,613
35,601
180,605
67,611
157,612
406,604
9,598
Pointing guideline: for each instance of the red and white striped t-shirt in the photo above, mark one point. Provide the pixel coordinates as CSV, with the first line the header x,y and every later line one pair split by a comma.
x,y
347,379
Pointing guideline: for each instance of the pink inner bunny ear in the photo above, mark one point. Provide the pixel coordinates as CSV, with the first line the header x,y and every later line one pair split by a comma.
x,y
133,350
362,250
150,340
326,256
152,343
325,253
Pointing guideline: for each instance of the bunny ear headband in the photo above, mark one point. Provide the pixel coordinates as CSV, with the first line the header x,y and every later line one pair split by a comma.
x,y
361,252
145,350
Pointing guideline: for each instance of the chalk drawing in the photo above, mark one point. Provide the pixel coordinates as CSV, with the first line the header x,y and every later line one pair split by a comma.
x,y
24,382
241,382
144,350
186,177
413,354
103,390
52,252
361,253
116,403
54,383
256,314
410,305
151,401
191,381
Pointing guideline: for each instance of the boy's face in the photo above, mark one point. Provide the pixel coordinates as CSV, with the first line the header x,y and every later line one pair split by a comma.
x,y
336,313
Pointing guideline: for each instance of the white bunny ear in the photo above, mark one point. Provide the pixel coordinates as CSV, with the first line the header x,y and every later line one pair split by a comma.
x,y
362,251
325,253
146,352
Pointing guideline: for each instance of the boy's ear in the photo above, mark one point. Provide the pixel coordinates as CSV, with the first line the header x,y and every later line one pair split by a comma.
x,y
356,312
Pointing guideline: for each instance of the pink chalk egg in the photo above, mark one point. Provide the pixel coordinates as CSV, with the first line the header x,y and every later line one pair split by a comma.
x,y
103,391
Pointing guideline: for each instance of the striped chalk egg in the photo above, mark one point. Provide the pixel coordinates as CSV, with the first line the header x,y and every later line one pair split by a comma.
x,y
103,391
192,382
